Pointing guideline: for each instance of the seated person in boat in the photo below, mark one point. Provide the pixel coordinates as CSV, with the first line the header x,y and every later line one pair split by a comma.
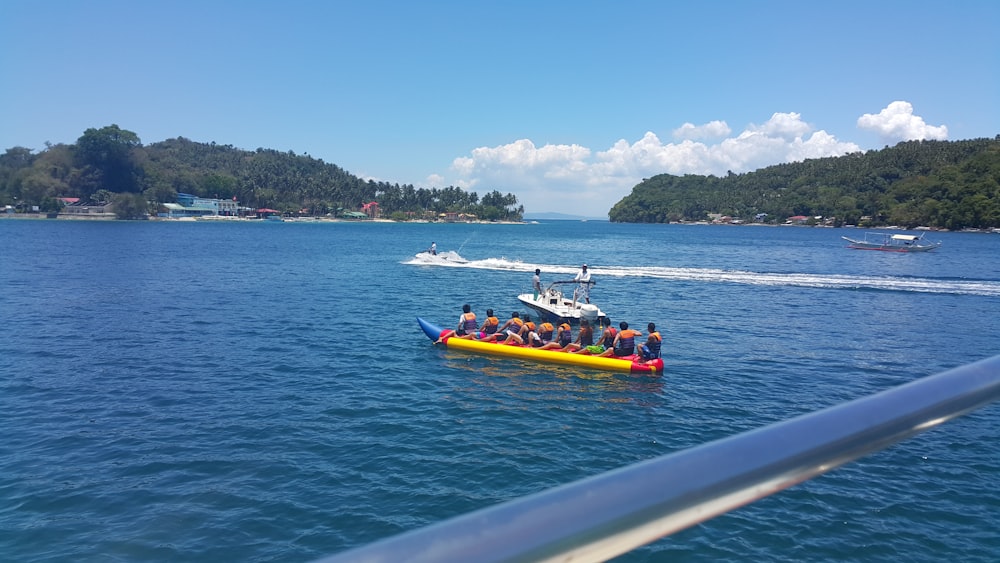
x,y
564,337
466,327
624,342
542,336
526,329
604,343
490,325
583,339
509,331
651,349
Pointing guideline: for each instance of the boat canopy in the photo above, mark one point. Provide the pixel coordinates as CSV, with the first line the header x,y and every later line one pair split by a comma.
x,y
906,237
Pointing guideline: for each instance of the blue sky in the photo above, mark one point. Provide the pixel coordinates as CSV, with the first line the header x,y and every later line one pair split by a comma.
x,y
565,104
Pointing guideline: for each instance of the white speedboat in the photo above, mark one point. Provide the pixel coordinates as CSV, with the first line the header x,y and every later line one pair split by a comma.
x,y
555,307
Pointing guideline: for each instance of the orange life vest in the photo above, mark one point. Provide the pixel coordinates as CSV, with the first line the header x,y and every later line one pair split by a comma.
x,y
491,325
545,331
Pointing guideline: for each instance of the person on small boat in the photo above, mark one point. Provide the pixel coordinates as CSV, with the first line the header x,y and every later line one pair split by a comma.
x,y
541,336
583,289
564,337
490,325
583,339
510,330
433,249
604,343
624,342
651,349
536,282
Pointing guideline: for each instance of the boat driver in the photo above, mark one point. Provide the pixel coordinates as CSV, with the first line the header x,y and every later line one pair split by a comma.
x,y
582,290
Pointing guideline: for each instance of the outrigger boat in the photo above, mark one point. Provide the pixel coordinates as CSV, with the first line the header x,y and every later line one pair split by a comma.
x,y
631,364
554,307
892,243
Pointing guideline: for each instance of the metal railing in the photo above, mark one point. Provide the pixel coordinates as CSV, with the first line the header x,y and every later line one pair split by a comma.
x,y
600,517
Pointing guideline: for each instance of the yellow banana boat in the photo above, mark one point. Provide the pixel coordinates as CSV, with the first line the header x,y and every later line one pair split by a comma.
x,y
630,364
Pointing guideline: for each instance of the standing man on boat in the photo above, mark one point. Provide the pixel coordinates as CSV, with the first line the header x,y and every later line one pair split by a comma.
x,y
536,283
582,290
434,249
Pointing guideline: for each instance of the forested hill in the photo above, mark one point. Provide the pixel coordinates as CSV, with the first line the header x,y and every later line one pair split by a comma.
x,y
111,164
944,184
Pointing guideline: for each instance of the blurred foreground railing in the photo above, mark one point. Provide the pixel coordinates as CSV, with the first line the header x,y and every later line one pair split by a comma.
x,y
603,516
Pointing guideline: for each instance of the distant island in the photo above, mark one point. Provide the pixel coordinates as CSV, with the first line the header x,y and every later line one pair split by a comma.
x,y
110,168
936,184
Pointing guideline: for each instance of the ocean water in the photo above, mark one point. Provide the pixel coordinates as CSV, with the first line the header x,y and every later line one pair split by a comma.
x,y
199,391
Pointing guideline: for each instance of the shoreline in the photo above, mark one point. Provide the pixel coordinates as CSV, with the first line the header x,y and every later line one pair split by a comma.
x,y
227,219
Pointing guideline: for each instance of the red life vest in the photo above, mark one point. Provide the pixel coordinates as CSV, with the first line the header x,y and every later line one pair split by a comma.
x,y
609,339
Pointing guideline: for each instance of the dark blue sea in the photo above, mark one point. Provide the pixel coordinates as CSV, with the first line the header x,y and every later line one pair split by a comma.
x,y
251,391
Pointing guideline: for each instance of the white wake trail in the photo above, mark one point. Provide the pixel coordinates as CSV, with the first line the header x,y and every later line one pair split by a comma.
x,y
710,275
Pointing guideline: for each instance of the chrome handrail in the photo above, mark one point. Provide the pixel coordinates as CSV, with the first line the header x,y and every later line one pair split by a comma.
x,y
600,517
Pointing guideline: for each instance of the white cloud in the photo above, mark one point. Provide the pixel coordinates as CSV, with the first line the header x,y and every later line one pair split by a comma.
x,y
896,122
573,179
788,126
711,130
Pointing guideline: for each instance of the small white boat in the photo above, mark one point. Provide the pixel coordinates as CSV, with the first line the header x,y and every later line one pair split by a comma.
x,y
555,307
892,243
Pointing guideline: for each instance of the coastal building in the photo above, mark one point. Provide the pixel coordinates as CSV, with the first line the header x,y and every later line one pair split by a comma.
x,y
193,206
223,207
73,206
371,210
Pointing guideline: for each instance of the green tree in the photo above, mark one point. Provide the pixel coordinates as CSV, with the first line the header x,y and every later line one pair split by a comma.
x,y
50,205
131,206
106,158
